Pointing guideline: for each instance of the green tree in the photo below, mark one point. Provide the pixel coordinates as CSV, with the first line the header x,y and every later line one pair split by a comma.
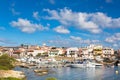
x,y
45,54
22,45
38,55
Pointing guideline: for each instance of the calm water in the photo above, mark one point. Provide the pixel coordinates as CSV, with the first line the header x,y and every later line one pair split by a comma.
x,y
75,74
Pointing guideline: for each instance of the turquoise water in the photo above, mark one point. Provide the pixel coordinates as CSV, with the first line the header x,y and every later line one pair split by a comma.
x,y
76,73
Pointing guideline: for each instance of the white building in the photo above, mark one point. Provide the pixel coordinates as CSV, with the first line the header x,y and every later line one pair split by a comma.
x,y
34,52
73,51
55,52
84,53
107,52
89,51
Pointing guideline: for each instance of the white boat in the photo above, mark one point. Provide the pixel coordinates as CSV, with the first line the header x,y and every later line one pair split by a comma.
x,y
85,64
76,65
97,64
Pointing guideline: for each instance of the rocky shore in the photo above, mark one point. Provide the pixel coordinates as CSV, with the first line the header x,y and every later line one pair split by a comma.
x,y
11,73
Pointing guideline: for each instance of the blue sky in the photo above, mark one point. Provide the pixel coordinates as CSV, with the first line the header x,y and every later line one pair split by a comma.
x,y
60,22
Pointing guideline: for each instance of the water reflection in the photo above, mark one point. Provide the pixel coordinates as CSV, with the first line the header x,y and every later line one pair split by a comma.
x,y
76,73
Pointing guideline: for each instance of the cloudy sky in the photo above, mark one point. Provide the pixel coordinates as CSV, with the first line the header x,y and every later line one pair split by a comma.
x,y
60,22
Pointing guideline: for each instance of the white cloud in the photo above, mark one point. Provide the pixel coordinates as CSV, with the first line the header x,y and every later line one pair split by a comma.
x,y
115,45
36,15
2,40
14,12
61,29
108,1
97,30
114,38
26,26
76,38
52,1
13,4
92,22
2,28
60,43
109,39
101,19
95,41
83,41
5,41
87,41
104,21
12,9
71,41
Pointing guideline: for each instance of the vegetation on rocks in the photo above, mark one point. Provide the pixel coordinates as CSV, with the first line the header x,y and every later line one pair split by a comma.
x,y
51,78
10,78
6,62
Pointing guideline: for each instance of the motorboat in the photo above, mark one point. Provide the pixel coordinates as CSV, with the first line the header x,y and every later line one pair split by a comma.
x,y
84,64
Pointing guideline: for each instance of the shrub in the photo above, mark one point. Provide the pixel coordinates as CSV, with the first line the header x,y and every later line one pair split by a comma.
x,y
3,68
10,78
51,78
6,62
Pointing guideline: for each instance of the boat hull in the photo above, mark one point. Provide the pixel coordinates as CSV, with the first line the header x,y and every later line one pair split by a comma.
x,y
81,65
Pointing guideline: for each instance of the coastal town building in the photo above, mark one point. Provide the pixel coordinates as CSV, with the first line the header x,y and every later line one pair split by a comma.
x,y
92,51
72,52
97,50
107,52
0,51
55,52
84,53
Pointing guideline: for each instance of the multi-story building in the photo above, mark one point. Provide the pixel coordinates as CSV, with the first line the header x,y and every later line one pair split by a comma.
x,y
97,50
107,52
72,52
84,53
87,52
55,52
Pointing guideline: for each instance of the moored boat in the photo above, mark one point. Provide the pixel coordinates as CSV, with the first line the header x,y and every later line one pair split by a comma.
x,y
84,64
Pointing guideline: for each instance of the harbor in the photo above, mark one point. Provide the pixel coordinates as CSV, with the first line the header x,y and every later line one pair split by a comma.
x,y
59,40
41,68
53,62
53,68
40,62
67,73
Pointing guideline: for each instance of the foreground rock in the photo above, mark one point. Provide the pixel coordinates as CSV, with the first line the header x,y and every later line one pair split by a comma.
x,y
11,73
41,72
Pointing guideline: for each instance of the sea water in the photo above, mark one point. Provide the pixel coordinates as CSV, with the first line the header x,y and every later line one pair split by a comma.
x,y
67,73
